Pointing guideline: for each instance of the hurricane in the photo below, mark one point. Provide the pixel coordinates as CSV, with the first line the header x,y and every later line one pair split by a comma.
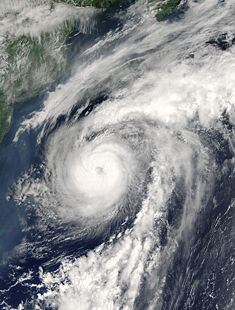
x,y
127,197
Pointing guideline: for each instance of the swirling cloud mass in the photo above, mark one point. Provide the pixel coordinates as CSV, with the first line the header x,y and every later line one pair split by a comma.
x,y
129,174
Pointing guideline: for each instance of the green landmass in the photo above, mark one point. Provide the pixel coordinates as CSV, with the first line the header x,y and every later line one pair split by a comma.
x,y
165,9
34,63
5,116
31,64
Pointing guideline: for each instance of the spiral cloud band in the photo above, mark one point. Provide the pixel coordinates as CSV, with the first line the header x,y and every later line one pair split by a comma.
x,y
94,176
130,173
